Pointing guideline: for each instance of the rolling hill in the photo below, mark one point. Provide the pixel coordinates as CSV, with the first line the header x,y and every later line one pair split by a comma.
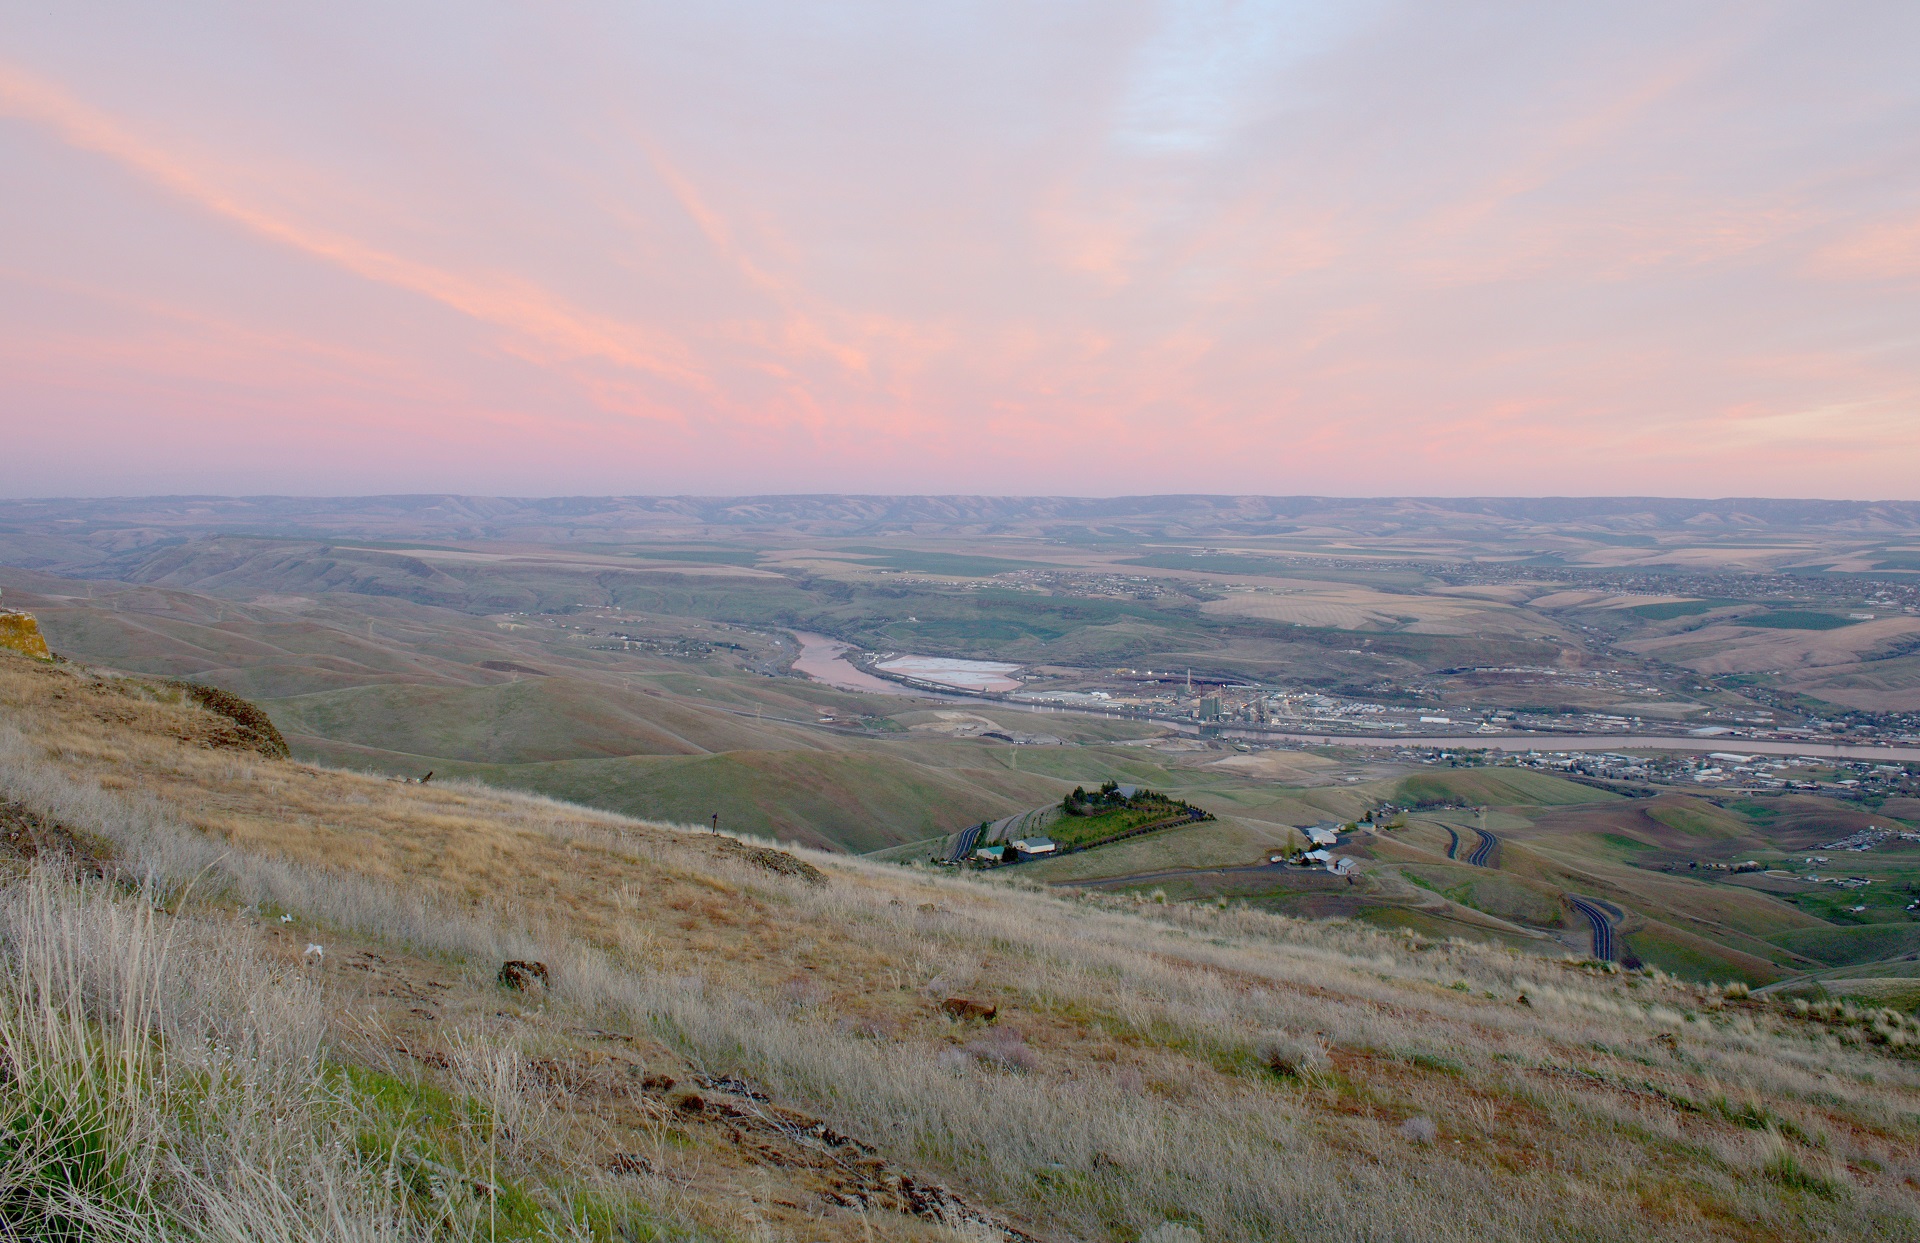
x,y
357,1007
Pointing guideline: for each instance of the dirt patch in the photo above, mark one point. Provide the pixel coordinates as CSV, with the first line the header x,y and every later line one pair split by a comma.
x,y
28,835
256,731
772,860
1291,767
509,666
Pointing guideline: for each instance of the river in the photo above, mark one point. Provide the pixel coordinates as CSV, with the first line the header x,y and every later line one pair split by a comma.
x,y
825,660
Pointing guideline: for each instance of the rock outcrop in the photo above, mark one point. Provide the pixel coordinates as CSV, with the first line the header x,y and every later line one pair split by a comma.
x,y
19,632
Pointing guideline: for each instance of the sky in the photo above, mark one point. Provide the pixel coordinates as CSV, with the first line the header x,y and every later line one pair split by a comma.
x,y
1367,248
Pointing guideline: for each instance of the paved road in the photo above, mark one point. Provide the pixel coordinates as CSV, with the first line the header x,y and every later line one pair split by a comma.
x,y
1597,913
964,843
1007,828
1483,853
1014,827
1453,842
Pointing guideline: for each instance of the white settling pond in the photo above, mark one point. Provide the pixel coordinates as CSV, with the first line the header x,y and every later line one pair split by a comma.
x,y
967,675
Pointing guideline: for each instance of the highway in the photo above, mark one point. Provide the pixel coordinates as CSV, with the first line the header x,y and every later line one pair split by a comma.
x,y
1482,856
964,843
1604,947
1007,828
1015,827
1453,842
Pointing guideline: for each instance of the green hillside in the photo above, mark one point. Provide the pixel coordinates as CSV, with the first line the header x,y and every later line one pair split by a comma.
x,y
1495,787
529,721
1694,818
1842,947
837,800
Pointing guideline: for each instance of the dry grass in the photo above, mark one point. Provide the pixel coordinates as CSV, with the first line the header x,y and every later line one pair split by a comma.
x,y
163,1083
1345,606
1129,1084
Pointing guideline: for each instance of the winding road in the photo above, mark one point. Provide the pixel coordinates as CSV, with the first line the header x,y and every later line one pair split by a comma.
x,y
1604,916
963,843
1600,916
1482,856
1453,842
1007,828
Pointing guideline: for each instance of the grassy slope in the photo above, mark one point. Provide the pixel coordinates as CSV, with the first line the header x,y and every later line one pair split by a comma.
x,y
534,720
1122,1086
413,706
1496,787
1841,947
847,800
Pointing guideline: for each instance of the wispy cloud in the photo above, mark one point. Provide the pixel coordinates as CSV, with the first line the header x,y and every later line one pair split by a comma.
x,y
560,331
1275,245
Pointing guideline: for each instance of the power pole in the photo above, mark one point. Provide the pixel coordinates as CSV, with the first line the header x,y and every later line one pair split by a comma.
x,y
716,822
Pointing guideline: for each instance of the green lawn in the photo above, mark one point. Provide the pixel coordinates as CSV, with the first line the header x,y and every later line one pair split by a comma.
x,y
1073,830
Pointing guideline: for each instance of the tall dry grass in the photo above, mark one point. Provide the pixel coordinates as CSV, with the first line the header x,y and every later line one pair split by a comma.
x,y
162,1084
1131,1090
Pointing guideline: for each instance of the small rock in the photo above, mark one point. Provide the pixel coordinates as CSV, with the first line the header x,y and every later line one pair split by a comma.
x,y
966,1008
520,975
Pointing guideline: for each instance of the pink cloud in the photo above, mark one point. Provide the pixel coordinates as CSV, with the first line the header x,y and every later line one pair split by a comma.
x,y
746,250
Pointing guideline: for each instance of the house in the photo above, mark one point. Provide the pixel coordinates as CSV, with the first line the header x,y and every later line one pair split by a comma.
x,y
1031,847
1321,835
992,854
1319,858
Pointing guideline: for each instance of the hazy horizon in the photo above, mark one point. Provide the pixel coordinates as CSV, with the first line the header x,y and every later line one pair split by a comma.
x,y
1678,498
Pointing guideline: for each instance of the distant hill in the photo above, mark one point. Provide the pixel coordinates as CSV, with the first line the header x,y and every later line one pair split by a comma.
x,y
25,523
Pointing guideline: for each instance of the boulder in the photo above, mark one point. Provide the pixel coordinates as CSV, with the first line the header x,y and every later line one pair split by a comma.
x,y
19,632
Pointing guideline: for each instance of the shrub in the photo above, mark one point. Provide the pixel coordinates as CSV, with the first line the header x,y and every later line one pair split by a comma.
x,y
1004,1049
1171,1232
1786,1170
1292,1056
